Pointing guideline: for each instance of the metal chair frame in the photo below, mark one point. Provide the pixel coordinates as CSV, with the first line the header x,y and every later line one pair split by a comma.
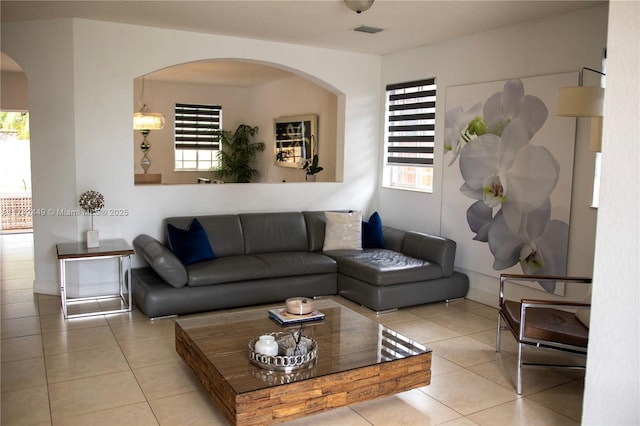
x,y
519,334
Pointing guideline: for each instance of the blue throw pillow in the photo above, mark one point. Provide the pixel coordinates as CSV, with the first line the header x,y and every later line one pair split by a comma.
x,y
372,232
190,245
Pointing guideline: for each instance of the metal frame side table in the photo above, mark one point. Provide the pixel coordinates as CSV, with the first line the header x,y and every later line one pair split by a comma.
x,y
78,251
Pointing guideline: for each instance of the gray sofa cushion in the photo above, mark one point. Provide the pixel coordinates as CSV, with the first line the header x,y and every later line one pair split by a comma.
x,y
161,259
227,269
274,232
298,263
384,267
260,266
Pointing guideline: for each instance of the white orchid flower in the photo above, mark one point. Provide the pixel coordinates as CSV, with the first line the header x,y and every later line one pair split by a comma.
x,y
512,104
456,129
540,245
508,173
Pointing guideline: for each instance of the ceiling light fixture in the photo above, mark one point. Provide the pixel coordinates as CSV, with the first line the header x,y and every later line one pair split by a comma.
x,y
359,6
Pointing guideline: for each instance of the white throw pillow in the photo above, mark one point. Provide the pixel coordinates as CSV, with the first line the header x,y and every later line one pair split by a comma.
x,y
343,231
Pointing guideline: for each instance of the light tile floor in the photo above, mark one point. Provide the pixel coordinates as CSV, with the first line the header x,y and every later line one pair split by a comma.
x,y
122,369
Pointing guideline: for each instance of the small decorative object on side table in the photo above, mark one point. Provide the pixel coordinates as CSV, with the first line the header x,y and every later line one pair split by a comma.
x,y
92,202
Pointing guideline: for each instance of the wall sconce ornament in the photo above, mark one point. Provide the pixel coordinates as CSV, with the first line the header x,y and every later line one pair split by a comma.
x,y
584,102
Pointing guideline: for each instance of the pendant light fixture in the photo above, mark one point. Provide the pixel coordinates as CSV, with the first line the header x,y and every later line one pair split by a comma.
x,y
145,121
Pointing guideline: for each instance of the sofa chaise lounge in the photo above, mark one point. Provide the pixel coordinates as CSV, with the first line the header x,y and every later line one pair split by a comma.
x,y
256,258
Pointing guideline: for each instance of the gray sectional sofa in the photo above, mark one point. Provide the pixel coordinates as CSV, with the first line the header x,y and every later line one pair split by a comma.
x,y
268,257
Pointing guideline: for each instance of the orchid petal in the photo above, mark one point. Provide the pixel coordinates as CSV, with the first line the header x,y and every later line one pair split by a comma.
x,y
479,159
532,177
455,122
492,112
504,244
551,254
512,215
451,127
480,218
534,113
512,98
538,219
475,194
514,137
553,246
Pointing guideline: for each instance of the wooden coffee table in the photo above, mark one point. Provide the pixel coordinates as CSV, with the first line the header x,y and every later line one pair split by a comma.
x,y
358,360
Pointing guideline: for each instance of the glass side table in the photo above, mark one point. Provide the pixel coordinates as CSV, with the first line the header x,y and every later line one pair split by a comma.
x,y
109,249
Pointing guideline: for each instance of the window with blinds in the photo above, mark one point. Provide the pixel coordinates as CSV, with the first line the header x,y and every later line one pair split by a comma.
x,y
197,139
410,133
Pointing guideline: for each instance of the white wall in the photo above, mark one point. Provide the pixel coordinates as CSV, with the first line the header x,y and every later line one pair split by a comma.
x,y
529,49
80,77
45,53
612,390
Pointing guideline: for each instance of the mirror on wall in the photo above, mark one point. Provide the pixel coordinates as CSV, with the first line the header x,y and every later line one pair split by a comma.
x,y
296,140
276,100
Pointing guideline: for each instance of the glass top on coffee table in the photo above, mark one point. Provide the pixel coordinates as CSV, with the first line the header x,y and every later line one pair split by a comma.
x,y
357,360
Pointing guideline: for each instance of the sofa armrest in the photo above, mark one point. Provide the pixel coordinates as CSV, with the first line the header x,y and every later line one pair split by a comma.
x,y
161,259
438,250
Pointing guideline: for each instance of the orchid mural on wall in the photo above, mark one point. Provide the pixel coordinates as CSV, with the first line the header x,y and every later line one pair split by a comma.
x,y
509,180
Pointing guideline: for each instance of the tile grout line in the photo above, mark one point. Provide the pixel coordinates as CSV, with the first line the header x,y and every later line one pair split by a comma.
x,y
146,398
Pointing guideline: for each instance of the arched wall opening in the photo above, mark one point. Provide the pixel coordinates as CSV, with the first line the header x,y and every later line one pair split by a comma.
x,y
248,92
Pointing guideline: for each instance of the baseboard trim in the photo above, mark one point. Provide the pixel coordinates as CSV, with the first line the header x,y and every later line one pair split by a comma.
x,y
46,287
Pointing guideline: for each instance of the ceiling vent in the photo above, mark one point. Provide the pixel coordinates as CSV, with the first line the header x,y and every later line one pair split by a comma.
x,y
368,30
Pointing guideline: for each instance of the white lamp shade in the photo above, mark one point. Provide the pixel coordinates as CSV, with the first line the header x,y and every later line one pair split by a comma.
x,y
148,121
581,101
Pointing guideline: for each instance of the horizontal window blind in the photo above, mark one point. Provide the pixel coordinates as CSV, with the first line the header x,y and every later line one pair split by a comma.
x,y
197,126
411,116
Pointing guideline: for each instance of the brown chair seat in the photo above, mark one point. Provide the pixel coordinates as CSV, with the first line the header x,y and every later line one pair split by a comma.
x,y
547,324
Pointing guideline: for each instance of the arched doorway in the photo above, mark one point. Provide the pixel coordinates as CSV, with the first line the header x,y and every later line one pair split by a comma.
x,y
15,164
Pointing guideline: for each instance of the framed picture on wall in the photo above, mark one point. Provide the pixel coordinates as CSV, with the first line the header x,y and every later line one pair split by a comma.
x,y
296,140
507,180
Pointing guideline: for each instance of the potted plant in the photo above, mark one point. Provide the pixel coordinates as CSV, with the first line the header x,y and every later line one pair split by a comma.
x,y
236,153
312,168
